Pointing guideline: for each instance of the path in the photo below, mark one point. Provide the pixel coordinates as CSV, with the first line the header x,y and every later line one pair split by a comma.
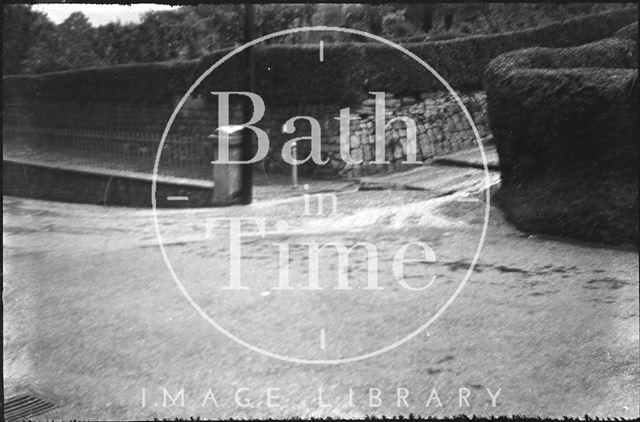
x,y
92,315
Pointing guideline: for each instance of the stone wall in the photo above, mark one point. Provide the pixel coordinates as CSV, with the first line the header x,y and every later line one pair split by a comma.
x,y
93,186
441,128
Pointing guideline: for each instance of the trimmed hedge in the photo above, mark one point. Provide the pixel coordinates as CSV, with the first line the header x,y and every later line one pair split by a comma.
x,y
292,74
607,53
565,123
629,32
583,85
146,82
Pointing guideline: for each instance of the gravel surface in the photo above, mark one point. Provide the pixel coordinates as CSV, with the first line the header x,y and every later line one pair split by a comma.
x,y
92,315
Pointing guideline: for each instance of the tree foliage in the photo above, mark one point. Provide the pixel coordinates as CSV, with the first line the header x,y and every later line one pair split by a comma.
x,y
33,44
22,29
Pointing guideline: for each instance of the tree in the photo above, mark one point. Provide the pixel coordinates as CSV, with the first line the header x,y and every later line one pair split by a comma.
x,y
75,35
365,17
277,17
224,21
395,25
421,15
67,46
22,29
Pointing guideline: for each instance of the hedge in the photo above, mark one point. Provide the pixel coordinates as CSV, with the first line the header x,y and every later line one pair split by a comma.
x,y
607,53
583,85
629,32
292,74
565,123
145,82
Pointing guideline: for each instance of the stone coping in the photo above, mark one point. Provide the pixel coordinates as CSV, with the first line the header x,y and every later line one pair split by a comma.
x,y
114,173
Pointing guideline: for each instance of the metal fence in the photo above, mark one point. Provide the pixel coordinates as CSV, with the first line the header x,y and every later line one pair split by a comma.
x,y
106,148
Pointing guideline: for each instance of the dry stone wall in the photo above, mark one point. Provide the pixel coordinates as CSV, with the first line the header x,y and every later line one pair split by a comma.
x,y
441,124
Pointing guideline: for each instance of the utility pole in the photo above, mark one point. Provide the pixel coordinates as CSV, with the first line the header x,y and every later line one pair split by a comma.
x,y
249,84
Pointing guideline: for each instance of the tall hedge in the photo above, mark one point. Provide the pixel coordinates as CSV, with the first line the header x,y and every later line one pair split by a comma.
x,y
565,123
292,74
629,32
145,82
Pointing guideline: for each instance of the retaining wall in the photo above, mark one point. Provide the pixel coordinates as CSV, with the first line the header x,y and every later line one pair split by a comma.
x,y
136,129
86,185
